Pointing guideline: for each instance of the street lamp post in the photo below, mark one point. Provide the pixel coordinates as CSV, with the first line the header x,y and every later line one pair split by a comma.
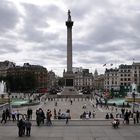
x,y
9,101
133,95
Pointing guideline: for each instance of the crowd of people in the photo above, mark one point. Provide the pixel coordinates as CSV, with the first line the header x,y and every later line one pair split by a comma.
x,y
23,120
41,116
45,117
14,115
24,127
125,115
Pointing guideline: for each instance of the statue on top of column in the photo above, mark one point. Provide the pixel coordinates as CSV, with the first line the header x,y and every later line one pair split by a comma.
x,y
69,16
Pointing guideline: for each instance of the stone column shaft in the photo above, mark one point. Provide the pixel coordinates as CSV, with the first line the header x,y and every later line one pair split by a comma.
x,y
69,49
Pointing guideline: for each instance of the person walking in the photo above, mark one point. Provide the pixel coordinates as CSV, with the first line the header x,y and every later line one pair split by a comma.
x,y
67,116
8,114
28,125
49,115
17,115
13,115
137,116
134,117
20,128
3,117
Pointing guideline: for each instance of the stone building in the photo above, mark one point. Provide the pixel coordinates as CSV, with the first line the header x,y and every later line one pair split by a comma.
x,y
38,71
125,75
136,74
83,78
111,79
98,82
4,66
52,80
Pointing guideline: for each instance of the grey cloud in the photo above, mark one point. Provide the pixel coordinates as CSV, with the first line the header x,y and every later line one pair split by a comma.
x,y
50,46
35,16
81,9
100,59
36,21
103,31
81,46
9,16
8,48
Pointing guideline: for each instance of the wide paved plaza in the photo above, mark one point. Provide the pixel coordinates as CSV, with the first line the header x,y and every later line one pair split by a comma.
x,y
65,132
90,129
75,109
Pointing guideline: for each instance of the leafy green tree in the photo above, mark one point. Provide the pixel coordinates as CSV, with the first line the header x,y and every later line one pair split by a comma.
x,y
61,82
123,91
25,82
112,92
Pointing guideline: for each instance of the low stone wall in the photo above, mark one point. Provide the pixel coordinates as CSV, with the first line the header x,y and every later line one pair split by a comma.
x,y
3,107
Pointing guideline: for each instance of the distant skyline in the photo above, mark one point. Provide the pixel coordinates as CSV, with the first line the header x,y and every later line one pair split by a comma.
x,y
104,32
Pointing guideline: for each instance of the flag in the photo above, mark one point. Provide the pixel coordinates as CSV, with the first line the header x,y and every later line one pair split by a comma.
x,y
104,65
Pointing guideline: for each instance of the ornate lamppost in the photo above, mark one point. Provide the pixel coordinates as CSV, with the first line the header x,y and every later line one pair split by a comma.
x,y
9,100
133,96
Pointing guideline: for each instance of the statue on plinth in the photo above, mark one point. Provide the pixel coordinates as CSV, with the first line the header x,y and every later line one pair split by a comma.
x,y
69,16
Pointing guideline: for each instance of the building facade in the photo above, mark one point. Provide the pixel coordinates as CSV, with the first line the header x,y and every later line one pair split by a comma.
x,y
136,74
83,78
39,72
123,77
111,80
98,82
4,66
52,80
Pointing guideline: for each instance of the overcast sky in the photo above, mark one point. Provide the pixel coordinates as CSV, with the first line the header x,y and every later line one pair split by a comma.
x,y
104,31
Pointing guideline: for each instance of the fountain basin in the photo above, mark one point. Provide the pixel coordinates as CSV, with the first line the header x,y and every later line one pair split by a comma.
x,y
21,103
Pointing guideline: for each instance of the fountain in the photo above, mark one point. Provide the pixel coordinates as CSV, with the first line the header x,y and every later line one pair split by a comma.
x,y
3,94
133,95
2,88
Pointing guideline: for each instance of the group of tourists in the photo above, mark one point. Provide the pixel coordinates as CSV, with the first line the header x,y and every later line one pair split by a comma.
x,y
41,116
134,115
24,127
126,115
23,120
5,115
14,115
87,115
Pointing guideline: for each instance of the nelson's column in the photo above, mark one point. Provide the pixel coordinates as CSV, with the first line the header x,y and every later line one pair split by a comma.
x,y
68,75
